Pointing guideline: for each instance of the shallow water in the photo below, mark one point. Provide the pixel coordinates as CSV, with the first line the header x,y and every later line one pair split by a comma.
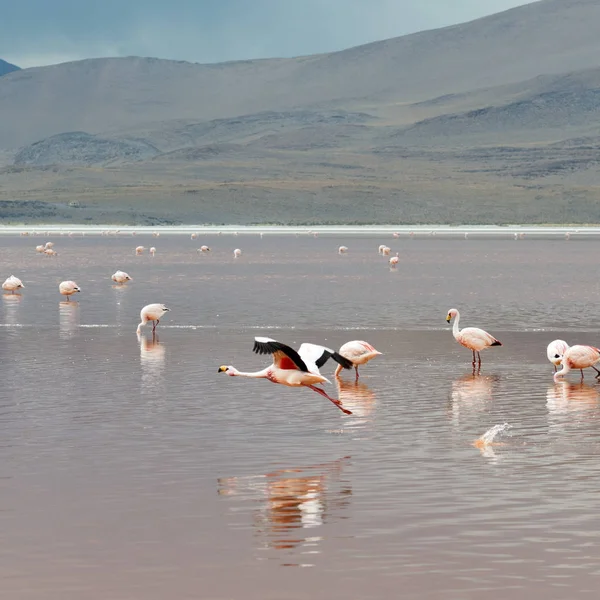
x,y
131,469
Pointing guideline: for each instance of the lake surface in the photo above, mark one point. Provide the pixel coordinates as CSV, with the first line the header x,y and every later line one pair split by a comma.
x,y
131,469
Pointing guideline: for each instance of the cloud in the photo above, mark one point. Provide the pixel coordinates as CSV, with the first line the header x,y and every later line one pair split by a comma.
x,y
215,30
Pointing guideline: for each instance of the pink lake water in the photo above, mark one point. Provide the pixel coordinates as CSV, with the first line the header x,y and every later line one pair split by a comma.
x,y
130,469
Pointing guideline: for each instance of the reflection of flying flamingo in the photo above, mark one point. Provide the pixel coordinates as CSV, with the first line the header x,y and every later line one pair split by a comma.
x,y
291,368
471,337
291,500
12,283
68,288
358,353
555,351
578,357
151,312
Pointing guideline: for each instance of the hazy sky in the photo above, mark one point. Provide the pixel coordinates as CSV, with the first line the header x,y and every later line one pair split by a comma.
x,y
40,32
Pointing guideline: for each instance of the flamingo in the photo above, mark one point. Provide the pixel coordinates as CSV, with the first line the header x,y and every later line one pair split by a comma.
x,y
40,248
358,353
151,312
152,251
386,251
237,253
396,234
68,288
343,249
50,252
48,245
394,260
194,236
579,357
120,277
555,352
204,249
139,250
291,368
12,283
381,247
471,337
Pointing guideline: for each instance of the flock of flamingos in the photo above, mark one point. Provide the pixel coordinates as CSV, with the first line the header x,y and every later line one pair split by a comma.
x,y
300,368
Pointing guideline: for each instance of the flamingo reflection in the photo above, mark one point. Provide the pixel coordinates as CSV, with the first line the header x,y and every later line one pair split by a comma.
x,y
68,314
292,500
11,308
471,393
568,397
152,361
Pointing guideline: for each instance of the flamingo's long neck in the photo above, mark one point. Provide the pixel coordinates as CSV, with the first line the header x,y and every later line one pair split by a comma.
x,y
455,329
565,369
256,375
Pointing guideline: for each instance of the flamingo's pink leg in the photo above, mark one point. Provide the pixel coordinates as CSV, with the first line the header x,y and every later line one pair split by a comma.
x,y
336,402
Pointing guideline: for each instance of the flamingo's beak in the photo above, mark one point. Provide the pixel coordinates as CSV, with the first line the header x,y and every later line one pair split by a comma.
x,y
448,318
222,369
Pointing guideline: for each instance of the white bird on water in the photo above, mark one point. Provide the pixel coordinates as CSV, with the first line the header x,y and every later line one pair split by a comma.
x,y
394,260
579,357
343,249
204,249
358,352
68,288
471,337
237,253
151,312
293,369
152,251
120,277
139,250
12,283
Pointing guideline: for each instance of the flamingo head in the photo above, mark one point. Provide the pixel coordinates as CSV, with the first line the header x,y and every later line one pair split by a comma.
x,y
451,314
228,369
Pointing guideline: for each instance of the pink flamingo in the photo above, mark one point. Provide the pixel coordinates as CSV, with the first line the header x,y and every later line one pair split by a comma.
x,y
204,249
120,277
139,250
555,352
471,337
343,249
291,368
12,283
394,260
68,288
151,312
358,353
237,253
152,251
579,357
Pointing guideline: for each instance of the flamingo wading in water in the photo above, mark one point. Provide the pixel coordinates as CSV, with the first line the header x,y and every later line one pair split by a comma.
x,y
579,357
358,353
151,312
12,283
291,368
473,338
68,288
120,277
555,352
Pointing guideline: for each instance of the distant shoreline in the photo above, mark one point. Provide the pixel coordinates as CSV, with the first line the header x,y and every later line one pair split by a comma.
x,y
401,230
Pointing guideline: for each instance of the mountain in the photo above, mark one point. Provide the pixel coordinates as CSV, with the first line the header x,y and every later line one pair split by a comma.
x,y
6,67
494,120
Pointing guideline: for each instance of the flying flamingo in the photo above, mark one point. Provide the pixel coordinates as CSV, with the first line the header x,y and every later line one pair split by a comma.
x,y
579,357
12,283
237,253
555,352
291,368
151,312
120,277
394,260
471,337
358,353
68,288
343,249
